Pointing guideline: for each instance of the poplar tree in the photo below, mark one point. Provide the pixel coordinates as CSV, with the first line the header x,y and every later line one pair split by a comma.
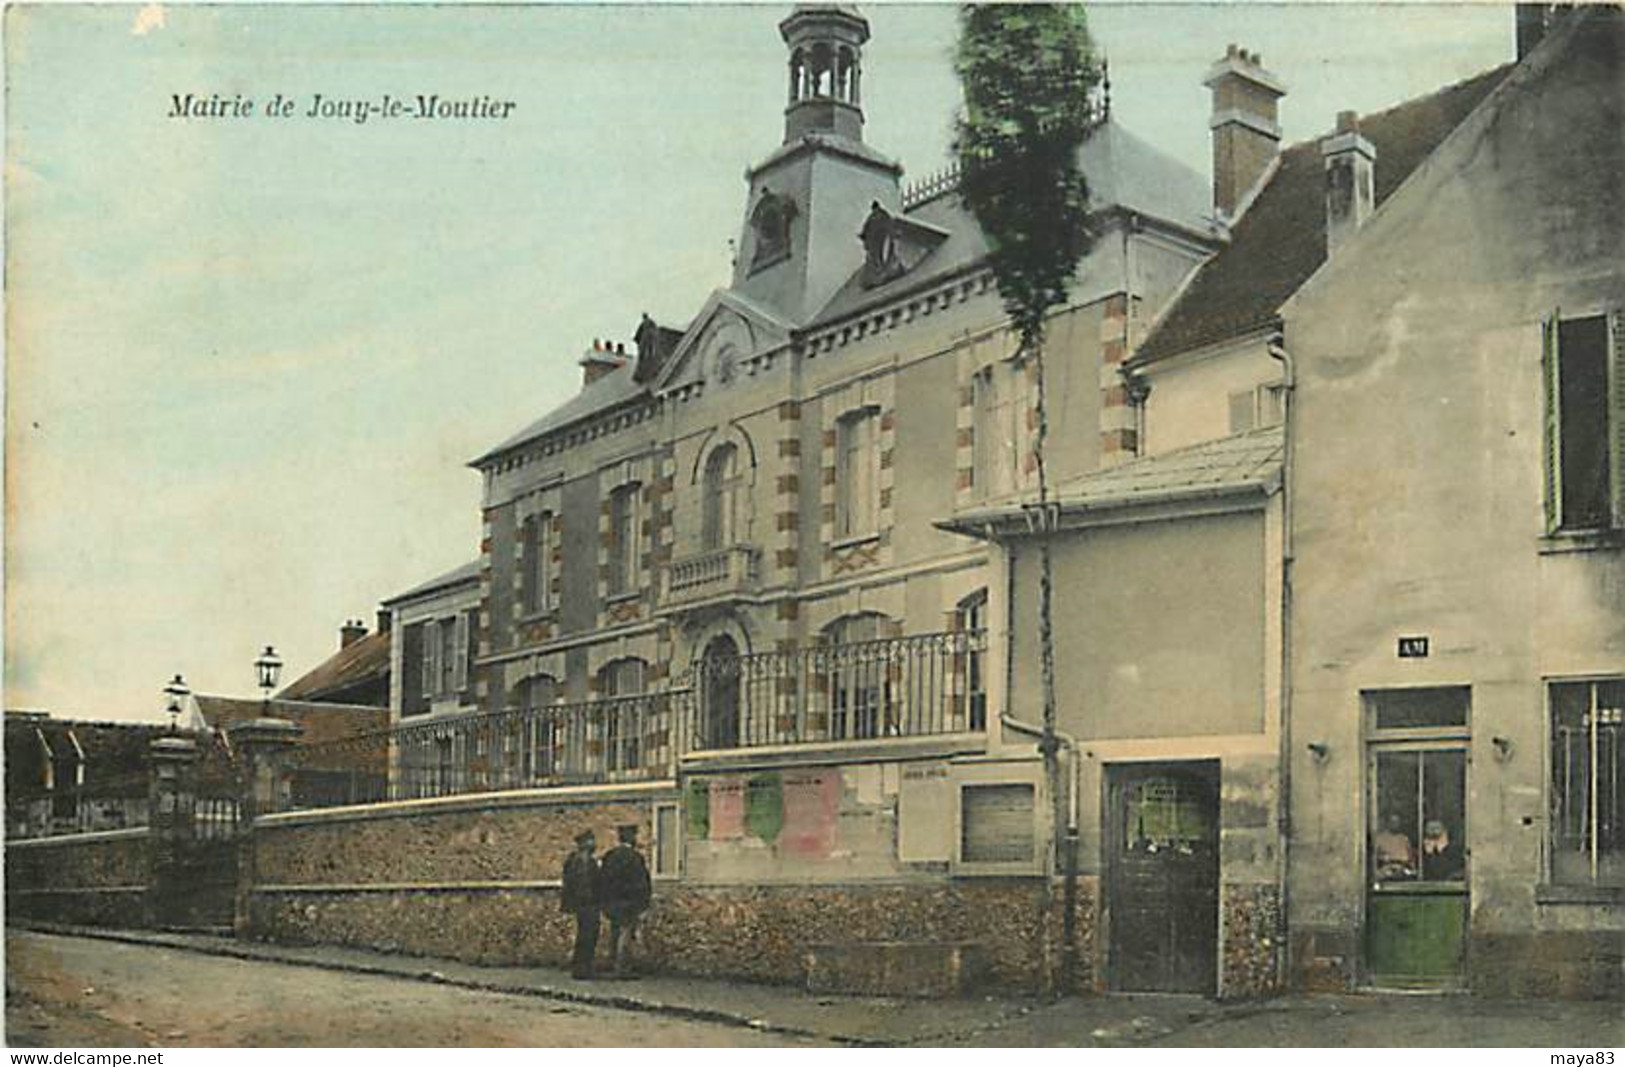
x,y
1029,72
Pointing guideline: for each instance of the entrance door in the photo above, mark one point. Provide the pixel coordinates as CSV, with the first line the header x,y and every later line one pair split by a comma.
x,y
1416,907
1162,837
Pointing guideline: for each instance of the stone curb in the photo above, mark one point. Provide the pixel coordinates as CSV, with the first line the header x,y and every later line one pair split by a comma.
x,y
268,954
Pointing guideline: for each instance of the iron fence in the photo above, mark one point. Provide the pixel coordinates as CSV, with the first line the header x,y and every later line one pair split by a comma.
x,y
630,738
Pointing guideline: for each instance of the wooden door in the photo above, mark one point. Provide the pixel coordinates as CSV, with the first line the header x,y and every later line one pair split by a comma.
x,y
1163,877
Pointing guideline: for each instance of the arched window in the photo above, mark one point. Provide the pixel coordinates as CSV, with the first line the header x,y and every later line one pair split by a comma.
x,y
623,719
720,525
859,683
719,693
970,621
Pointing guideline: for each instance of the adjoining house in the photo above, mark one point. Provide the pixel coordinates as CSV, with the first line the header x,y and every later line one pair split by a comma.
x,y
343,757
1458,551
357,674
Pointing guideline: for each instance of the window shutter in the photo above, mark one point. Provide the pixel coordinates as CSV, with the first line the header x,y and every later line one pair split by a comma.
x,y
459,662
1616,414
412,670
996,824
1552,435
431,658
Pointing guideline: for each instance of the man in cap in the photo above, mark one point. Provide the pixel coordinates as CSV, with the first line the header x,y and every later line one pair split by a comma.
x,y
580,897
625,891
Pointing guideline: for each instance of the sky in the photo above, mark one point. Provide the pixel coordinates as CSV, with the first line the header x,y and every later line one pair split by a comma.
x,y
248,360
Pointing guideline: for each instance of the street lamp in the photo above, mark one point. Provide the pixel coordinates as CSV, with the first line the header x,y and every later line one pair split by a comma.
x,y
177,691
268,666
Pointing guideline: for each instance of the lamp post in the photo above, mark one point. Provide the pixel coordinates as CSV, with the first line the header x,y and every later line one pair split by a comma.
x,y
268,667
177,691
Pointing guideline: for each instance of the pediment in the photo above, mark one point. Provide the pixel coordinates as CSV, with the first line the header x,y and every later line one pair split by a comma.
x,y
728,330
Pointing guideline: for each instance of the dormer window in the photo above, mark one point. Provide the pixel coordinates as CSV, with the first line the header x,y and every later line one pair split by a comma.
x,y
770,223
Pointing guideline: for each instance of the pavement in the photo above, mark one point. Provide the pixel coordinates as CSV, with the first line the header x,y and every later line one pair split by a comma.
x,y
1103,1021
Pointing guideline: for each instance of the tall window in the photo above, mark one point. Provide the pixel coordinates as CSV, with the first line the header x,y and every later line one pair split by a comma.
x,y
624,535
446,651
971,620
540,729
987,432
720,693
857,474
536,563
720,525
1585,423
859,678
1588,814
623,719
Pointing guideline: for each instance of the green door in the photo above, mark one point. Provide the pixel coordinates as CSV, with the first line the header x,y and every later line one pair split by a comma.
x,y
1416,905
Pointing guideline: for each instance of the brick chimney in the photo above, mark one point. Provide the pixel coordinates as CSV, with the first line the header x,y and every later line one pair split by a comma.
x,y
599,360
352,631
1350,180
1245,124
384,620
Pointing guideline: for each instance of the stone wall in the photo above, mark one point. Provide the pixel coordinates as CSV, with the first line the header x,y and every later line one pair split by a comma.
x,y
477,880
1250,928
100,879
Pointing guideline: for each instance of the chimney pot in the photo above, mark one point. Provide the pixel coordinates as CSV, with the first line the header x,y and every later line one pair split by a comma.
x,y
1350,180
352,631
1245,124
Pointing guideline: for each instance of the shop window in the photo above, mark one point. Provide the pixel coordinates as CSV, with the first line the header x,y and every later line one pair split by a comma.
x,y
1588,816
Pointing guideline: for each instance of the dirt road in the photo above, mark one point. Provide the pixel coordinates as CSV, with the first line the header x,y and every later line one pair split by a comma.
x,y
63,991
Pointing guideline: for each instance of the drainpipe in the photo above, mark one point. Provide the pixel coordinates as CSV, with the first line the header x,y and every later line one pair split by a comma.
x,y
1069,867
1289,383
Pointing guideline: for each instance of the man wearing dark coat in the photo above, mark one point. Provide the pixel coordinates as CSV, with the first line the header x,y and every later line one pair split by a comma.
x,y
580,897
623,885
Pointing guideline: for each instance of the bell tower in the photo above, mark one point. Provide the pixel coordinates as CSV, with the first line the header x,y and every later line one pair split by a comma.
x,y
826,70
808,199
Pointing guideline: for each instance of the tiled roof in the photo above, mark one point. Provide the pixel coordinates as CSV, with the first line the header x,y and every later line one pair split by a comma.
x,y
360,662
1281,239
321,722
1249,461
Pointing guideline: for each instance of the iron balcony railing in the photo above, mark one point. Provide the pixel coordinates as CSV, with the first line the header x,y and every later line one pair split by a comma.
x,y
912,686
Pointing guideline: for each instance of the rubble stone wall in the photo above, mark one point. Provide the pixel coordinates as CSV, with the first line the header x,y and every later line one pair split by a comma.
x,y
99,879
479,882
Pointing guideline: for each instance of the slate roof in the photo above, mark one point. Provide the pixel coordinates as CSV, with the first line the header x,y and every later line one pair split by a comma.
x,y
464,574
115,753
1281,239
1249,461
611,390
360,663
1123,172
